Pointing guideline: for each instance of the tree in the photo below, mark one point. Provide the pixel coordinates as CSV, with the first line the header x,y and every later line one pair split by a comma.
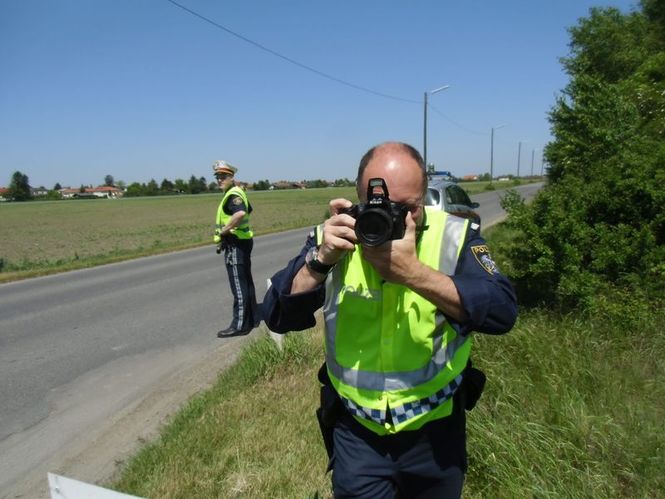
x,y
134,190
57,186
19,187
166,186
109,181
152,189
196,185
261,185
180,185
599,222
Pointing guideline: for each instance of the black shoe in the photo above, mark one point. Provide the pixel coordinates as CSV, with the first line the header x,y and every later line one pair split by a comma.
x,y
226,331
231,332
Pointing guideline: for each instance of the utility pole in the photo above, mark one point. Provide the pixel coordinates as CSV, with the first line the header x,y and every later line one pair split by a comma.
x,y
432,92
492,151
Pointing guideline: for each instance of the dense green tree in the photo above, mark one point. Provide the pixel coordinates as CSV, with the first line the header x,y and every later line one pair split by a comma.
x,y
180,185
53,194
151,189
19,187
311,184
196,185
261,185
134,190
109,181
57,186
600,220
166,186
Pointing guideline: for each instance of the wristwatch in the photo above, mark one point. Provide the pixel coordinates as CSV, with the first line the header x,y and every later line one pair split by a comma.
x,y
314,264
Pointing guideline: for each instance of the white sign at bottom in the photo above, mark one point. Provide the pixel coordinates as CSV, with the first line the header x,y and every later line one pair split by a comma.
x,y
62,487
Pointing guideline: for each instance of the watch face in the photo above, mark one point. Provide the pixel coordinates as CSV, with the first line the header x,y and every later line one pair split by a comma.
x,y
311,255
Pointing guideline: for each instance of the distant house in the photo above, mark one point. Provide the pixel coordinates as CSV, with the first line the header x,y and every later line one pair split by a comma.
x,y
286,184
470,178
39,191
104,191
4,194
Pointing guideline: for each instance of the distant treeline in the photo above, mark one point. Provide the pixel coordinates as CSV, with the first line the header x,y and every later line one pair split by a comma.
x,y
20,190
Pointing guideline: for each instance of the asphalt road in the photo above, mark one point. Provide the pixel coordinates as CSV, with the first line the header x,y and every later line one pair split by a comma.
x,y
92,361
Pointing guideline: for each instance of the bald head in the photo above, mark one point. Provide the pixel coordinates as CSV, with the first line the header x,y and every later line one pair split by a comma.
x,y
401,160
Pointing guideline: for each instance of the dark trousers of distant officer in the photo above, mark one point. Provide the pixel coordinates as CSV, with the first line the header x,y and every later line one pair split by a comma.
x,y
237,257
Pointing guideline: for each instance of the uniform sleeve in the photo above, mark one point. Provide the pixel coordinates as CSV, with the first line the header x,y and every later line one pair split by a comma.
x,y
283,311
487,296
234,204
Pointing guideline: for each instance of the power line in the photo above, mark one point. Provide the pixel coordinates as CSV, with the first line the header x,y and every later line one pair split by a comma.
x,y
455,123
288,59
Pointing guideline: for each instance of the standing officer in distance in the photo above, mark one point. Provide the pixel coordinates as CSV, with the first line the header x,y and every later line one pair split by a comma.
x,y
398,317
234,236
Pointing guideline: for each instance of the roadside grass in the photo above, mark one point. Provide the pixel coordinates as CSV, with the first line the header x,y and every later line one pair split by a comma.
x,y
45,237
573,407
254,434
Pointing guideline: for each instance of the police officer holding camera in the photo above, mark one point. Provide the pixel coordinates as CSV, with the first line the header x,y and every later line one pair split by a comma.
x,y
234,237
400,298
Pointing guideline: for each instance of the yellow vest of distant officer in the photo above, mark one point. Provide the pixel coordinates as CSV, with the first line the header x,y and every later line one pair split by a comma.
x,y
242,231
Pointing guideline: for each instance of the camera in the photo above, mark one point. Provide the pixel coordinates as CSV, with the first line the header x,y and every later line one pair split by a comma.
x,y
380,219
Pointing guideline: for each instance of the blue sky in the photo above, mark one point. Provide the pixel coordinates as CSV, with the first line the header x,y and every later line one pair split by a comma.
x,y
143,89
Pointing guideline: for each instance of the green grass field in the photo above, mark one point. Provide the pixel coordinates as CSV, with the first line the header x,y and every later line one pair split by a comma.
x,y
45,237
52,236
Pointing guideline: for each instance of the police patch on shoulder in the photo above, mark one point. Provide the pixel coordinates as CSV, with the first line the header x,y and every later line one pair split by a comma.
x,y
482,254
237,200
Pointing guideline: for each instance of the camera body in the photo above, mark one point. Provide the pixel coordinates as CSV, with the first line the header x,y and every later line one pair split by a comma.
x,y
379,219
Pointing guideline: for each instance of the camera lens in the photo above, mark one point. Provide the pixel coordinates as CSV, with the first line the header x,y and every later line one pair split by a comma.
x,y
373,227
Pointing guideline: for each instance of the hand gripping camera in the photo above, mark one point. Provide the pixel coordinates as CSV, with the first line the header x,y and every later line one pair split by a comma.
x,y
380,219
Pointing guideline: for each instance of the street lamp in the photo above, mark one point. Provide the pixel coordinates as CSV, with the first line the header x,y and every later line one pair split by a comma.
x,y
519,150
431,92
492,151
533,153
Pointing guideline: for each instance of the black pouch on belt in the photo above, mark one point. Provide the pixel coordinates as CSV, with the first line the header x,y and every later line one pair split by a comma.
x,y
330,410
473,384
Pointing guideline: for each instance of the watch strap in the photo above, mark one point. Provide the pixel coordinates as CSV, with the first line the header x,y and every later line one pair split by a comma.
x,y
314,264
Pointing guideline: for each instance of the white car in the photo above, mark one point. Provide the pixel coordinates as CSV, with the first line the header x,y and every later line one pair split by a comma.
x,y
450,197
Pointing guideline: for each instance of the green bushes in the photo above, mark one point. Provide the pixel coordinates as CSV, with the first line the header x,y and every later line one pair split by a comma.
x,y
599,224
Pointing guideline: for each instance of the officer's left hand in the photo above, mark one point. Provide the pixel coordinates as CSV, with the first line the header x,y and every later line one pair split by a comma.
x,y
395,260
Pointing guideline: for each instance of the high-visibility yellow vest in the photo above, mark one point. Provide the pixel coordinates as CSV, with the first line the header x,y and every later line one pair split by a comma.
x,y
391,355
242,231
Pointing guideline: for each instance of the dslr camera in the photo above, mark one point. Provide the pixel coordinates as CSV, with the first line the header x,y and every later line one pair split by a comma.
x,y
380,219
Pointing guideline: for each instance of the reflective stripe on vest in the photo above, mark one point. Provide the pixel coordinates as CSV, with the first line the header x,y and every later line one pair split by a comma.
x,y
243,230
431,346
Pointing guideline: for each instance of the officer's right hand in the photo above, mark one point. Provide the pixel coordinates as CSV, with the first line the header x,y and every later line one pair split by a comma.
x,y
339,236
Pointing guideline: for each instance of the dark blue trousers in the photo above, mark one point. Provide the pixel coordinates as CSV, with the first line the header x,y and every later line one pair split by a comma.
x,y
426,463
237,257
